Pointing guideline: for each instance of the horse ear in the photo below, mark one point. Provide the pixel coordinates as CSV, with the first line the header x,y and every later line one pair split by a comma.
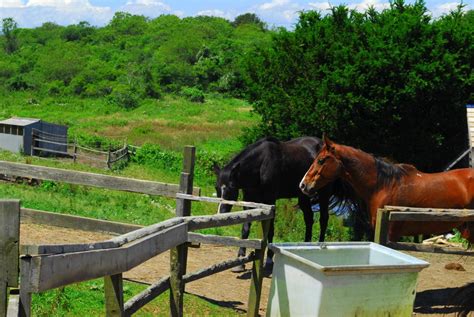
x,y
329,144
216,169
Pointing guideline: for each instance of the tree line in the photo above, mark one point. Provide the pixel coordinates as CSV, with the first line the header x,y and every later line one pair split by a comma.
x,y
130,58
393,82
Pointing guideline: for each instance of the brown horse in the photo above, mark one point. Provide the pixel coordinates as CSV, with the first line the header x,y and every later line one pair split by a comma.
x,y
380,183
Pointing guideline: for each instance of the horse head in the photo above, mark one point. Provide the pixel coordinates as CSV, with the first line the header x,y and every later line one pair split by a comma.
x,y
226,185
325,169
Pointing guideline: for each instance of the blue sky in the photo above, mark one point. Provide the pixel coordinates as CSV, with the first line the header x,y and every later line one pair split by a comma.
x,y
32,13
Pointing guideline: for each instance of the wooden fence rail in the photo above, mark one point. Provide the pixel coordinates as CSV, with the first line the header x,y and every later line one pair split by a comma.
x,y
44,267
60,265
90,179
42,142
9,249
396,213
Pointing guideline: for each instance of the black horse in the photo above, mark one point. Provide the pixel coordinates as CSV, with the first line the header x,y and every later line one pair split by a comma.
x,y
268,170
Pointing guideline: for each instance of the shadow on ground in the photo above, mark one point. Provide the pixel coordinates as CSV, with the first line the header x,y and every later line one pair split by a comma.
x,y
436,301
228,304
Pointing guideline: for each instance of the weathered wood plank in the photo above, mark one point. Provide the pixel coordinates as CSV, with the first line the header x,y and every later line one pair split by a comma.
x,y
50,151
189,159
145,231
156,289
113,288
50,271
66,248
219,267
223,201
3,297
233,218
381,226
183,206
90,179
407,246
179,255
25,293
112,243
227,241
450,216
75,222
255,291
178,259
140,300
9,241
13,309
418,209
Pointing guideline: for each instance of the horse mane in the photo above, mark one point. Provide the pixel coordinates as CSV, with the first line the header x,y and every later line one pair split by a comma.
x,y
248,149
387,172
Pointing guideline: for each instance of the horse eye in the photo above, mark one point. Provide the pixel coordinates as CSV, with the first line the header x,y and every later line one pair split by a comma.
x,y
321,161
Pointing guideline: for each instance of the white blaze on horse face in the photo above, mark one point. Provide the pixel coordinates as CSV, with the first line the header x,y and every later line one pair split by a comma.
x,y
222,197
302,180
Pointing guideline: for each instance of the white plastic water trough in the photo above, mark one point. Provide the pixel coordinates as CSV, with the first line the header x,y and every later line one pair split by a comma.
x,y
342,279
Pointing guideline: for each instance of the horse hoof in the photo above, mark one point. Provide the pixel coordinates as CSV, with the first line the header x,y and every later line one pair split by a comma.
x,y
268,265
238,269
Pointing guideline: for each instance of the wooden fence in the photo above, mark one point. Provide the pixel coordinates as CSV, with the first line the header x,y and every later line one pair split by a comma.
x,y
44,143
396,213
43,267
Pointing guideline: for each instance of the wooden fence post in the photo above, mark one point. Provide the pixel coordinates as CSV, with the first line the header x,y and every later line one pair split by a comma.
x,y
75,151
25,292
9,248
381,226
113,288
109,158
178,255
32,142
257,270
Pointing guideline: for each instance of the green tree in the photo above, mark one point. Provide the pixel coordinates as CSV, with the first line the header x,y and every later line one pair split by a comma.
x,y
9,28
394,83
249,18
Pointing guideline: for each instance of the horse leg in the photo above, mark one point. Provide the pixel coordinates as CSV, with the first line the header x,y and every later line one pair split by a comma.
x,y
271,232
305,204
324,196
244,235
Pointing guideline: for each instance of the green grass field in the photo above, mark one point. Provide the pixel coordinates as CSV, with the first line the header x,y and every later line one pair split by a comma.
x,y
213,127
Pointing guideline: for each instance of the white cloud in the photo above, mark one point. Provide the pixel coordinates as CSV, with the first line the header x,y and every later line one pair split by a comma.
x,y
273,4
36,12
278,12
33,13
216,13
359,6
445,8
149,8
365,4
320,6
11,4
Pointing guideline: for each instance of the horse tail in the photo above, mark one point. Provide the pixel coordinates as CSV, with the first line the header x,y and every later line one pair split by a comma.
x,y
345,202
464,299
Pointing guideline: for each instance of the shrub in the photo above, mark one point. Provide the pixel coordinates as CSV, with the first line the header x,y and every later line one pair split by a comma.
x,y
124,96
55,87
193,94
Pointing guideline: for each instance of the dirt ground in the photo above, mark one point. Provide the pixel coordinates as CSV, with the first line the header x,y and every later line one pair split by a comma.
x,y
435,287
